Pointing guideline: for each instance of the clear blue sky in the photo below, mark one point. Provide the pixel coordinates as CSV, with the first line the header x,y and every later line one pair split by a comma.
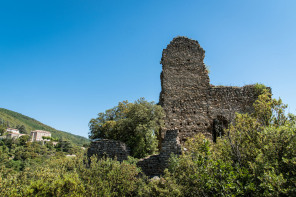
x,y
64,61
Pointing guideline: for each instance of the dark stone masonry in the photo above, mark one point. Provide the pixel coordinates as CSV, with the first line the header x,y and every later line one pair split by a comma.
x,y
154,165
191,104
109,148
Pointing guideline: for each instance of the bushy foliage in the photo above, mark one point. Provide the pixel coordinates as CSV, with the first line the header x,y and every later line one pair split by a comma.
x,y
259,88
204,171
265,144
2,129
17,154
255,158
136,124
73,177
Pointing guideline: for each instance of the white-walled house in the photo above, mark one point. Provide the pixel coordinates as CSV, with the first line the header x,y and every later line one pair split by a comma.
x,y
38,135
13,133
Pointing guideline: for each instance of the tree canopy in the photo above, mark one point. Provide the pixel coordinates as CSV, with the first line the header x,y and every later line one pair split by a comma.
x,y
137,124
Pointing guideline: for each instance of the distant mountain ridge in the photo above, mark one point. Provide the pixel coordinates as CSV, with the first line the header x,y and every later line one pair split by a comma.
x,y
15,118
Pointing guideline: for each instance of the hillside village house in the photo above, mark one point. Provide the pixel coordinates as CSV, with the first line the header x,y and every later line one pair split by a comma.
x,y
13,133
38,135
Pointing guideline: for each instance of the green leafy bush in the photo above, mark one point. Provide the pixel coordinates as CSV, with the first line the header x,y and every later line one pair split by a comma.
x,y
255,158
136,124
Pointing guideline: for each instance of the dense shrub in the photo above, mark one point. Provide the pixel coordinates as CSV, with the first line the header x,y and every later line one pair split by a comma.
x,y
64,176
136,124
256,157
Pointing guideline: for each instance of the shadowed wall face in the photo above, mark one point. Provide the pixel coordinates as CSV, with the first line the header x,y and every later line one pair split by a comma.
x,y
190,102
109,148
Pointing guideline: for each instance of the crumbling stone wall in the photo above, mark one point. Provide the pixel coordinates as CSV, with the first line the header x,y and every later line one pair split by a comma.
x,y
154,165
109,148
190,102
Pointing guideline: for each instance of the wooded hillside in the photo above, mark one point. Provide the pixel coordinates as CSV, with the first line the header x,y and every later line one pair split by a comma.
x,y
14,119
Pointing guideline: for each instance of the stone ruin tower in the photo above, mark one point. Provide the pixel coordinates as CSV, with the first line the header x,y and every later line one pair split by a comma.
x,y
192,105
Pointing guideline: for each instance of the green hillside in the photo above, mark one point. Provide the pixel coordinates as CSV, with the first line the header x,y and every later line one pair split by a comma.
x,y
14,119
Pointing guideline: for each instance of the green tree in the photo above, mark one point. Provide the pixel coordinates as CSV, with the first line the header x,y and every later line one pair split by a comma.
x,y
203,170
24,139
22,129
2,129
64,146
257,156
265,143
137,124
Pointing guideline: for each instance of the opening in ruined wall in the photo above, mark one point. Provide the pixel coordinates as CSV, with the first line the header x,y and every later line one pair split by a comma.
x,y
220,124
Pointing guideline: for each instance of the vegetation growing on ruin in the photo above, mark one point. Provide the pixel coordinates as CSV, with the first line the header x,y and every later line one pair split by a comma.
x,y
256,157
259,88
136,124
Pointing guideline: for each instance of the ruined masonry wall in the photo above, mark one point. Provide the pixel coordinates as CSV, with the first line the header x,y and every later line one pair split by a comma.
x,y
192,105
109,148
190,102
154,165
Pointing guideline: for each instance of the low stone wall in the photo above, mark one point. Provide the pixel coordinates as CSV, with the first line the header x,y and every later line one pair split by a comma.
x,y
154,165
109,148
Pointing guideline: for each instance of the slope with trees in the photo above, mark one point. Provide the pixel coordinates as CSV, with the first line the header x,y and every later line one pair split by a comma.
x,y
26,124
